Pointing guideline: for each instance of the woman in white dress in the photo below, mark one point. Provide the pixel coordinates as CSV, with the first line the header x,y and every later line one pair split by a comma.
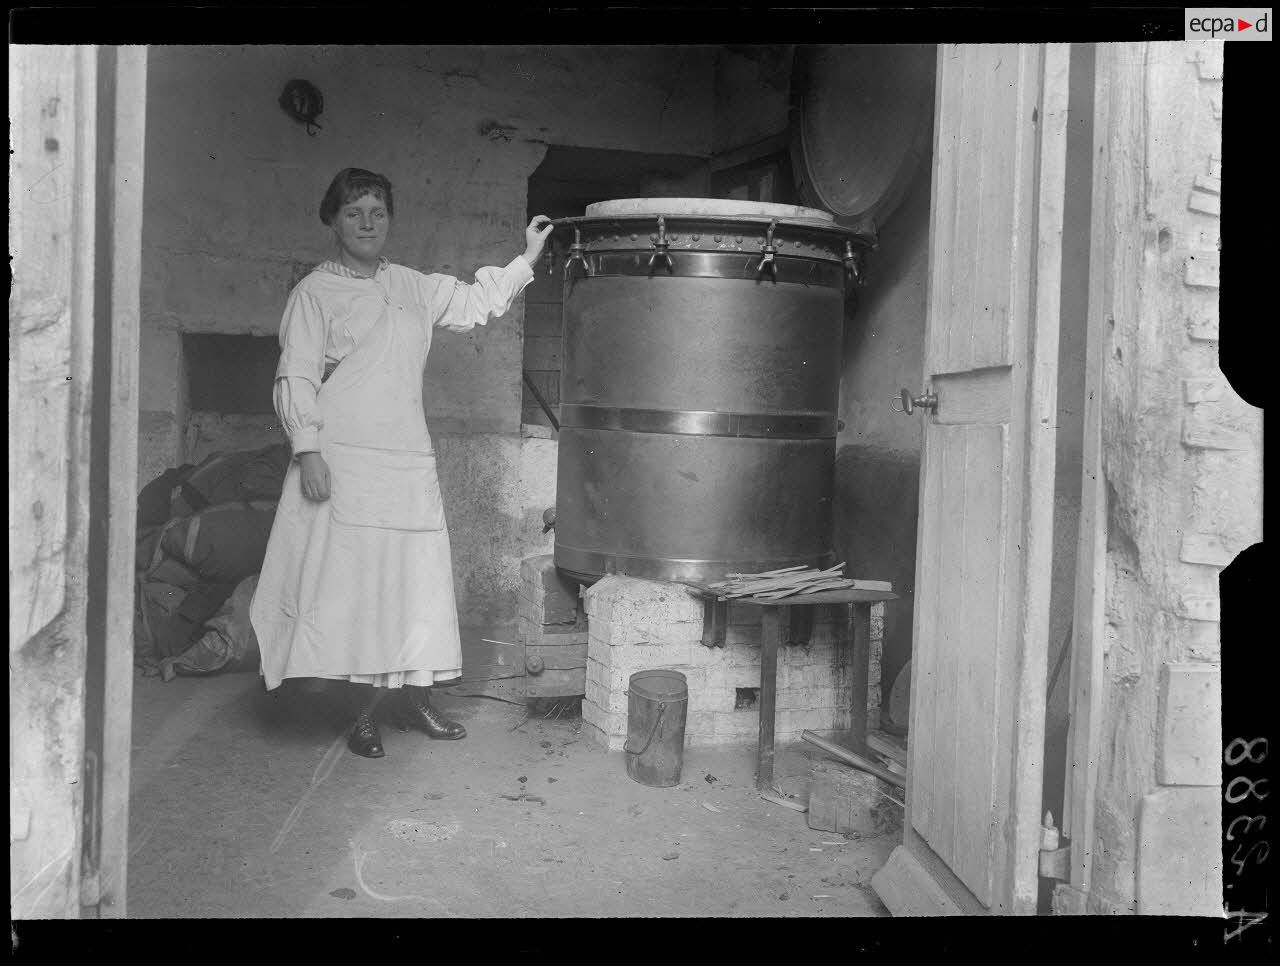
x,y
357,583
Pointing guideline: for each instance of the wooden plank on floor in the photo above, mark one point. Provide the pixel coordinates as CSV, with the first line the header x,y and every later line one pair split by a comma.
x,y
907,889
888,745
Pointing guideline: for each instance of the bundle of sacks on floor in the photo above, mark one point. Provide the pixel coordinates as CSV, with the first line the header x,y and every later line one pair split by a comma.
x,y
202,534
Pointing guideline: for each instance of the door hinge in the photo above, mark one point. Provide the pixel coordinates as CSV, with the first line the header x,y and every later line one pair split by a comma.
x,y
91,832
19,816
1056,863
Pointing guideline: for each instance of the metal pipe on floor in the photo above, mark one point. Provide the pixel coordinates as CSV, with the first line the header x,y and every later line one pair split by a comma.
x,y
528,381
857,761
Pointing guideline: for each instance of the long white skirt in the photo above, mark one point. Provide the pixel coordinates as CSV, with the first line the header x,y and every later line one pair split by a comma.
x,y
359,604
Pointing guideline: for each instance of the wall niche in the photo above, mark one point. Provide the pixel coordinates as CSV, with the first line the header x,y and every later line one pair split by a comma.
x,y
229,393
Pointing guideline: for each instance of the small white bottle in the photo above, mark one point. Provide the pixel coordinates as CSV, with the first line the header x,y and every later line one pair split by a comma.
x,y
1048,834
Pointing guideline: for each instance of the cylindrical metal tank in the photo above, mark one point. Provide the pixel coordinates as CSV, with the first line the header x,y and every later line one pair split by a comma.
x,y
699,387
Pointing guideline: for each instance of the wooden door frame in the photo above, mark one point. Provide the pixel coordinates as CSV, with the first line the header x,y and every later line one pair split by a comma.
x,y
1115,258
104,853
126,320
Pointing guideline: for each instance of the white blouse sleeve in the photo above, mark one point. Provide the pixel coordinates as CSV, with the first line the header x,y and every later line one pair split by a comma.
x,y
295,402
461,307
299,374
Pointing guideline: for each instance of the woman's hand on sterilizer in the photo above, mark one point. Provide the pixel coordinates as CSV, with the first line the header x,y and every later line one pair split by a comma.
x,y
535,238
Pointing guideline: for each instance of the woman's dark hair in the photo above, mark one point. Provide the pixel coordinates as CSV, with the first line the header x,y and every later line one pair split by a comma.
x,y
351,184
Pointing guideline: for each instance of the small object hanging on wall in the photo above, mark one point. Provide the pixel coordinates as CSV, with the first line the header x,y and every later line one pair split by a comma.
x,y
303,102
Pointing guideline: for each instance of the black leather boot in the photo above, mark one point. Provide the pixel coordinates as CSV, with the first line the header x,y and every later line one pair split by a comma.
x,y
364,738
415,711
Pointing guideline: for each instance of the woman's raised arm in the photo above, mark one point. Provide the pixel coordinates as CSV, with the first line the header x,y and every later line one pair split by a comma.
x,y
460,307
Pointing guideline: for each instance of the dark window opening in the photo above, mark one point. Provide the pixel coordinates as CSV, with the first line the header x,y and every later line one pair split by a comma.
x,y
230,374
765,177
745,698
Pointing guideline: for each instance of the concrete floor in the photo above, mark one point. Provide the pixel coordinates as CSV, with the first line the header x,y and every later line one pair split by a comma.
x,y
246,804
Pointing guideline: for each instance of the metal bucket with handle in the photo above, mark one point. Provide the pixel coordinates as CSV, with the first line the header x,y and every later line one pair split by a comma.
x,y
657,703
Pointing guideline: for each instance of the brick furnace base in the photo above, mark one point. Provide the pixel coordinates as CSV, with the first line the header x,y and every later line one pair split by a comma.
x,y
640,625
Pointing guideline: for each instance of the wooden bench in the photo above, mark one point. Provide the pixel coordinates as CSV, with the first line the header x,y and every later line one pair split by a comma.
x,y
794,616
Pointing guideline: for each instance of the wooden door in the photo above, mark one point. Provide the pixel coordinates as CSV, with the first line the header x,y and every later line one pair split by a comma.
x,y
971,838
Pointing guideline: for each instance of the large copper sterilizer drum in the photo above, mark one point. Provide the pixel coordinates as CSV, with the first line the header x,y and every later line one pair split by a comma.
x,y
699,387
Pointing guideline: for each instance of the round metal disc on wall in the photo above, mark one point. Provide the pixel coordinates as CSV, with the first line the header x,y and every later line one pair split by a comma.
x,y
861,123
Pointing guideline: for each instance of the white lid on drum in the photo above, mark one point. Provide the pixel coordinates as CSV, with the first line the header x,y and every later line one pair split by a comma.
x,y
711,207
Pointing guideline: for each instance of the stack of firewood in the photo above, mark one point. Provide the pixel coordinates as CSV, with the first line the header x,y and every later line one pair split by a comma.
x,y
776,584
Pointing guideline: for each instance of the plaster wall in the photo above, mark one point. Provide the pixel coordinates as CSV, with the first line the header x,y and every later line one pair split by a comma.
x,y
1181,465
52,111
752,91
1182,462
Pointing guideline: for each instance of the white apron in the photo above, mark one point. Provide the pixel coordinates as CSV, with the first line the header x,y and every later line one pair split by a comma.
x,y
360,586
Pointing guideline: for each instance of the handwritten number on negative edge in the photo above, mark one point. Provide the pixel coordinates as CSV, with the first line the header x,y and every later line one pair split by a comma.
x,y
1246,752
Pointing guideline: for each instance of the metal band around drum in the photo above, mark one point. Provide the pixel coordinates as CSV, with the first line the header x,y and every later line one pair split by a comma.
x,y
593,562
686,423
739,265
682,225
